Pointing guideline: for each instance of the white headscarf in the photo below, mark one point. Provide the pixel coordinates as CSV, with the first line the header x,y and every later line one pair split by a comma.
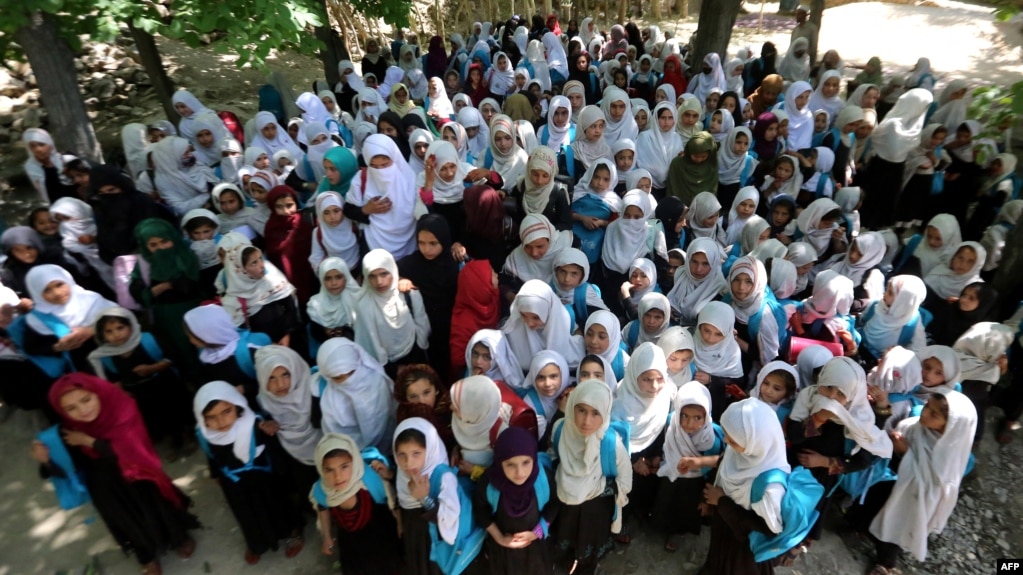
x,y
333,311
614,335
440,104
689,294
735,223
245,296
214,326
239,436
678,443
656,149
522,265
883,329
899,132
832,105
340,240
210,155
948,227
689,104
293,411
677,338
574,256
809,221
754,269
558,135
754,426
281,141
624,128
800,119
832,296
704,205
445,192
556,58
871,247
547,406
768,370
608,196
579,476
385,325
645,415
504,366
702,83
625,239
795,68
536,297
722,359
469,117
927,489
650,301
536,57
800,254
436,455
946,283
80,310
477,399
186,127
363,406
730,164
376,106
586,151
240,218
393,231
172,177
512,165
205,250
980,348
135,140
104,349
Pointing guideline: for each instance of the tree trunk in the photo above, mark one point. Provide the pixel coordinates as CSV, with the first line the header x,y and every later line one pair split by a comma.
x,y
153,63
655,9
717,17
623,11
816,13
53,64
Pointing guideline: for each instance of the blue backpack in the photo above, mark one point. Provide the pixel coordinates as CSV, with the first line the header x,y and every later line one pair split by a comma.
x,y
370,478
908,330
798,511
71,491
578,313
541,487
453,559
52,366
781,317
241,350
148,344
608,448
235,474
906,253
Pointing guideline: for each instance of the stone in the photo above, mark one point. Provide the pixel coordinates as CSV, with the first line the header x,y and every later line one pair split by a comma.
x,y
6,104
33,118
103,88
5,136
122,110
209,94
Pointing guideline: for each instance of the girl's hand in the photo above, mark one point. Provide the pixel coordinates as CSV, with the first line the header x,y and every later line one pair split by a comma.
x,y
146,370
40,452
87,240
382,470
521,540
477,174
377,205
641,467
405,285
270,427
77,438
590,222
898,442
327,548
702,377
458,252
161,287
879,396
1003,364
686,464
74,340
419,486
712,493
812,459
706,510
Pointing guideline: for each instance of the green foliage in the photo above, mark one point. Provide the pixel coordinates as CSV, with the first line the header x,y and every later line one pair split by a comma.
x,y
996,108
394,12
1006,9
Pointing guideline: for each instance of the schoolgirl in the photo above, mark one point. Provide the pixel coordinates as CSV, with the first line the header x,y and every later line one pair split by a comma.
x,y
658,147
539,192
754,234
744,207
356,396
998,186
982,352
202,230
594,205
861,264
777,385
226,353
505,155
594,476
259,188
547,382
140,505
948,281
653,315
24,250
697,169
418,141
419,391
976,303
717,355
897,388
580,297
825,315
785,179
894,319
477,307
438,532
692,444
240,452
334,236
625,162
995,235
258,295
633,236
356,506
534,258
79,238
182,181
642,280
698,282
340,165
602,337
134,360
45,167
704,220
819,185
735,165
442,182
489,353
832,432
759,319
819,224
40,220
934,248
800,117
677,344
232,211
588,145
392,327
617,109
803,255
539,321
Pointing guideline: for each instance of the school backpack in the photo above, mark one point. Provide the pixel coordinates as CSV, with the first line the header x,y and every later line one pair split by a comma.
x,y
233,124
781,317
52,366
907,252
370,478
70,489
522,415
798,511
149,345
235,474
541,487
241,350
608,448
908,330
453,559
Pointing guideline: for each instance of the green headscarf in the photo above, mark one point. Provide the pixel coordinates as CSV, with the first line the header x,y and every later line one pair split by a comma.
x,y
172,263
875,77
686,178
347,164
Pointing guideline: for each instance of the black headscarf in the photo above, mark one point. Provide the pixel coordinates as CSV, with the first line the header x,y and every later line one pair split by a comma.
x,y
393,119
952,322
118,214
635,38
669,211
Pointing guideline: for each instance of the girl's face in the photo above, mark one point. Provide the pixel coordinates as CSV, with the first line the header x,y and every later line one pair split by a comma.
x,y
710,334
262,162
503,142
889,296
715,123
116,332
458,105
329,104
596,339
692,418
532,321
381,162
332,216
539,178
429,245
254,266
639,280
963,261
869,99
577,100
587,419
781,215
269,131
617,110
733,445
569,276
204,138
293,128
420,150
595,131
673,261
934,415
937,138
653,320
969,300
25,254
802,99
933,372
831,87
742,287
335,282
450,137
333,175
641,119
699,266
771,133
279,383
933,237
537,249
741,145
783,171
480,359
833,393
729,104
679,360
710,221
820,123
601,180
591,370
155,244
520,81
712,101
388,130
451,81
57,292
745,209
401,95
221,417
665,121
257,192
783,129
80,405
624,160
772,389
689,118
548,380
855,255
44,223
518,469
337,470
864,130
421,391
645,184
411,457
380,280
285,206
447,172
650,382
851,127
183,109
699,157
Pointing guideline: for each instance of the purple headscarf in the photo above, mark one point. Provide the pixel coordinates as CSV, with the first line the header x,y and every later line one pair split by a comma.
x,y
515,500
765,150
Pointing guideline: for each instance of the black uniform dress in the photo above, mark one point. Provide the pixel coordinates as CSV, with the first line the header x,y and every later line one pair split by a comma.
x,y
140,519
260,499
162,398
729,552
367,537
537,557
228,370
644,487
585,529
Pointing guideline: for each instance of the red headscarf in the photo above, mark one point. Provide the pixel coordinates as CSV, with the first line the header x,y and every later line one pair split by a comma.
x,y
484,211
479,93
553,25
477,306
119,423
677,79
289,241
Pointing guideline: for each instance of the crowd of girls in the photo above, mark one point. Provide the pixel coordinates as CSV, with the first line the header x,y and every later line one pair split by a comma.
x,y
490,309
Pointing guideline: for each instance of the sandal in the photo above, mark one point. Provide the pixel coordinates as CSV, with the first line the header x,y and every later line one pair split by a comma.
x,y
672,543
789,558
879,569
623,538
152,568
293,546
186,549
252,557
1005,429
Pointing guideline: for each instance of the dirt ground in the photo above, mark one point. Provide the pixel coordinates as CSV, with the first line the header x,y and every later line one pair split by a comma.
x,y
962,40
